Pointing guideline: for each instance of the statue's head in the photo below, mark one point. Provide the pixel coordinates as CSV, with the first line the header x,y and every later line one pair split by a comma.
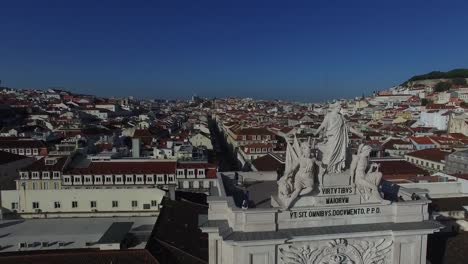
x,y
305,147
365,150
335,107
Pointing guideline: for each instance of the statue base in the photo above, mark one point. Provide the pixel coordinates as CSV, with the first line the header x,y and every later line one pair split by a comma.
x,y
336,179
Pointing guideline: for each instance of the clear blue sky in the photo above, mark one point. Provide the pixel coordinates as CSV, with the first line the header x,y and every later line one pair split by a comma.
x,y
295,50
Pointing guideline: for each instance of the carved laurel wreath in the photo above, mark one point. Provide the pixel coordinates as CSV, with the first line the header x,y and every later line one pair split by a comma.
x,y
339,251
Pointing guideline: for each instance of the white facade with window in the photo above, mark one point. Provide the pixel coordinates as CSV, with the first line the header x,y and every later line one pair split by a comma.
x,y
82,202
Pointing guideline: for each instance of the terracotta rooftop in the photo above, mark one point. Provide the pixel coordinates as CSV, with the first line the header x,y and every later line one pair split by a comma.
x,y
399,169
7,157
40,165
267,163
22,144
422,140
127,167
433,154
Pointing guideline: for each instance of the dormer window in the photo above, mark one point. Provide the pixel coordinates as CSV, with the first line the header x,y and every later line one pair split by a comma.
x,y
50,161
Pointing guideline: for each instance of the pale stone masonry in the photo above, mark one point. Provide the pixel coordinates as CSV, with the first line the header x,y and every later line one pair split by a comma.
x,y
339,223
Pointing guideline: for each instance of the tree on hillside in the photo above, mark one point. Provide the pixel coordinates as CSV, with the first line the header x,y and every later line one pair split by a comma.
x,y
425,101
459,81
442,86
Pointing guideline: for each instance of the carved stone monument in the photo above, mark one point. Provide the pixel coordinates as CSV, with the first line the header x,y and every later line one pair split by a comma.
x,y
330,167
327,209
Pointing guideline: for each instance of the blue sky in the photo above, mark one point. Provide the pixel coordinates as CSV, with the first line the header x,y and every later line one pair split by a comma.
x,y
294,50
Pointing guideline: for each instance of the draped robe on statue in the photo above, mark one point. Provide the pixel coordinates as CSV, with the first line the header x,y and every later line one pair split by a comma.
x,y
334,149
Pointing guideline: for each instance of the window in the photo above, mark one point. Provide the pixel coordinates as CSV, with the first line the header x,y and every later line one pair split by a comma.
x,y
35,175
35,152
154,203
77,179
28,151
149,178
87,179
56,204
93,204
34,186
139,179
201,172
129,178
258,150
56,174
74,204
56,185
66,179
108,179
98,179
252,150
134,203
24,175
14,206
45,186
115,204
146,206
118,179
13,151
180,173
45,175
35,205
171,178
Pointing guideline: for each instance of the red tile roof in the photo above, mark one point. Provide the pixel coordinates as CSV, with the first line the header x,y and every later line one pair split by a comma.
x,y
7,157
127,167
422,140
400,169
432,154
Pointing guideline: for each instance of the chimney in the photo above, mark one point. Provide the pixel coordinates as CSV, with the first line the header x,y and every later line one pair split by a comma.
x,y
135,147
171,192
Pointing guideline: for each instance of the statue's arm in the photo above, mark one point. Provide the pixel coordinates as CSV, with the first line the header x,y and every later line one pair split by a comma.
x,y
322,126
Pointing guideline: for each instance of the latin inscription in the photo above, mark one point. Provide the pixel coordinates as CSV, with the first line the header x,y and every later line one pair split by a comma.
x,y
337,200
335,212
336,190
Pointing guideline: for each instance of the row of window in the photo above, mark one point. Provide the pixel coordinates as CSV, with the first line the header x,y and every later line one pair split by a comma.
x,y
195,184
45,186
92,204
424,163
36,175
21,151
257,137
260,150
181,173
117,179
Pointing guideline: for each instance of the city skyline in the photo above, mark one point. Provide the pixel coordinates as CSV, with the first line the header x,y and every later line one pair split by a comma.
x,y
306,52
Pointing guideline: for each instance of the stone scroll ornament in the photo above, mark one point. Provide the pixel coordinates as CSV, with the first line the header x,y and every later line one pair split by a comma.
x,y
339,251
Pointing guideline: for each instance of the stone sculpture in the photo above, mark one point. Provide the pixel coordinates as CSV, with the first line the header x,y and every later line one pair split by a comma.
x,y
339,251
366,182
336,141
299,173
303,166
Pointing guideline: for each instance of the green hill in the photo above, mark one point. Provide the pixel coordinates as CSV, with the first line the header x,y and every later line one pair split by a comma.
x,y
456,73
